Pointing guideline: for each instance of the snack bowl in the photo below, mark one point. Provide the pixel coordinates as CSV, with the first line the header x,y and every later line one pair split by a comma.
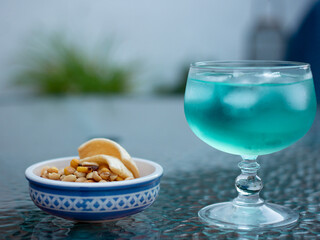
x,y
94,202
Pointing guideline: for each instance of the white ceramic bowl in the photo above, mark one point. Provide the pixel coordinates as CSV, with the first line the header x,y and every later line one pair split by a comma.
x,y
94,202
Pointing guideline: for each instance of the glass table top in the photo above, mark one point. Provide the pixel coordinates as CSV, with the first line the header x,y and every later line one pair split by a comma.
x,y
195,174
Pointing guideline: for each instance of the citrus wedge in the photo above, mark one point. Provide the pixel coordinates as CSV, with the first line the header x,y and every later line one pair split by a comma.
x,y
108,147
114,164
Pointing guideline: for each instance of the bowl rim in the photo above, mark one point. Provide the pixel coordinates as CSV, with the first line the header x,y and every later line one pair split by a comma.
x,y
30,176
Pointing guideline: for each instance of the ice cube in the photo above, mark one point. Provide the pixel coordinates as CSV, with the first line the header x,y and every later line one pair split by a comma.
x,y
240,77
297,97
198,92
237,74
212,77
269,75
241,99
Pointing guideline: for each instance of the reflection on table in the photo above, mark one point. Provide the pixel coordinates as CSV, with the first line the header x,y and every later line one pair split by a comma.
x,y
153,128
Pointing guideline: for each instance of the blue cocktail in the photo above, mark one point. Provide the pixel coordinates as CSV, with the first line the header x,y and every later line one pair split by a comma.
x,y
249,108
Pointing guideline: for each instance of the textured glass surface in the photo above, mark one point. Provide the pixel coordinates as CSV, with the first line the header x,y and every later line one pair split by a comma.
x,y
195,175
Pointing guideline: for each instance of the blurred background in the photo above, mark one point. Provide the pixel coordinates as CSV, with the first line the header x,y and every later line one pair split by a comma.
x,y
73,70
142,47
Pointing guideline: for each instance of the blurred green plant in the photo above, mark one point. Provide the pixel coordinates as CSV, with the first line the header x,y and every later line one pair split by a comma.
x,y
56,66
179,87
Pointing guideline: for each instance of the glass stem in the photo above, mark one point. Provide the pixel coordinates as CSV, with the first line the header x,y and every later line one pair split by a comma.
x,y
248,184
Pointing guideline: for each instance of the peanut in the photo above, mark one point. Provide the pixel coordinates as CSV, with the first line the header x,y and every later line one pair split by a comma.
x,y
89,181
74,163
69,170
44,171
69,178
90,175
53,170
80,174
54,176
45,174
96,176
81,179
104,169
105,175
103,166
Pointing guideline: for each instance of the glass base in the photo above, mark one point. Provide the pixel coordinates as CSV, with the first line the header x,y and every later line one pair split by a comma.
x,y
263,216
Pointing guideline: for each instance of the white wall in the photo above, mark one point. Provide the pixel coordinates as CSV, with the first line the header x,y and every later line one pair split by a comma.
x,y
162,34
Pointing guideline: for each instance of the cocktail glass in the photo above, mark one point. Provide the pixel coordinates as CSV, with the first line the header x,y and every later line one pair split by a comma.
x,y
249,108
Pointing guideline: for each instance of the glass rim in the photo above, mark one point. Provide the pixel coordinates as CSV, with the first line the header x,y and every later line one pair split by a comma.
x,y
249,65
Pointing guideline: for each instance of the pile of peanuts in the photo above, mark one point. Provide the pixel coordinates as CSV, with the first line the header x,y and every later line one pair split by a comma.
x,y
88,172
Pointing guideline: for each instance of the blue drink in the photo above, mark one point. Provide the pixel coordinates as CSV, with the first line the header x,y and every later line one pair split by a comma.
x,y
249,119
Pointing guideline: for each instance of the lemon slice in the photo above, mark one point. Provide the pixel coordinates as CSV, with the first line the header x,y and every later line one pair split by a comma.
x,y
98,146
114,164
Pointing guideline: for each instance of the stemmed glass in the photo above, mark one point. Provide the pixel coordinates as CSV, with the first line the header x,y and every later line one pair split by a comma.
x,y
249,108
